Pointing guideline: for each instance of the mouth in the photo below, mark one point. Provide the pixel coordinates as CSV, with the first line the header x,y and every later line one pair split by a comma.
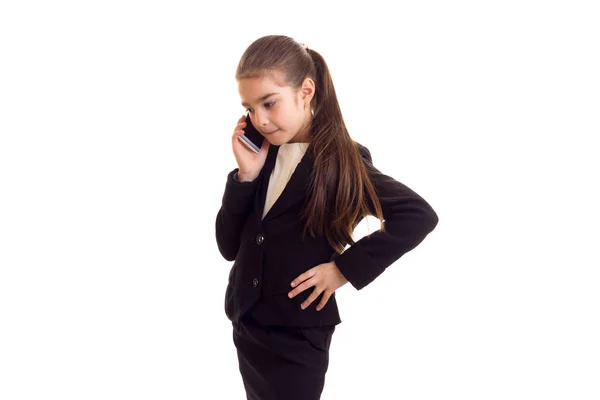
x,y
270,133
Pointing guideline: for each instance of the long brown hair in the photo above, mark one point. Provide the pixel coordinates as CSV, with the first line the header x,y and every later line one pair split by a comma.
x,y
334,207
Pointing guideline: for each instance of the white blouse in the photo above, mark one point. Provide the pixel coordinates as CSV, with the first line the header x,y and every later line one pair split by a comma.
x,y
288,157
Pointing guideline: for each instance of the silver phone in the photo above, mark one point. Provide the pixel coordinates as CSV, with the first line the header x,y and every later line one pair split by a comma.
x,y
252,138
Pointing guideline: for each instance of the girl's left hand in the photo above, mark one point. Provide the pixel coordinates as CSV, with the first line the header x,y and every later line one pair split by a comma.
x,y
326,278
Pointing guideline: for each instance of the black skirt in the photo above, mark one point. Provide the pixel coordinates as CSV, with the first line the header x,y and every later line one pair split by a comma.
x,y
282,363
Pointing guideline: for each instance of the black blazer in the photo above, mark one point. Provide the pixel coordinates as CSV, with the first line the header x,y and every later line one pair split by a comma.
x,y
269,254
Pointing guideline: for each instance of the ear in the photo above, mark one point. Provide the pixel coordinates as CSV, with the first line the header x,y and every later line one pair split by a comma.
x,y
307,91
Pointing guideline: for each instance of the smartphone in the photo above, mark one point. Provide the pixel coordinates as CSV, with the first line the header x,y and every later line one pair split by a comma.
x,y
252,138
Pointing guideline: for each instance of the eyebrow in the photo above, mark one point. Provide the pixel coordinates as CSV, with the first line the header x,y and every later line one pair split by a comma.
x,y
266,96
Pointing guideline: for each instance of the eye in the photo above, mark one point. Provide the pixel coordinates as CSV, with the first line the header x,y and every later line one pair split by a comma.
x,y
266,105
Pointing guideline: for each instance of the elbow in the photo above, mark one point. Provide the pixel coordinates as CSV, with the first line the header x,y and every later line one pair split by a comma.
x,y
227,248
419,217
431,219
426,219
411,228
228,254
426,223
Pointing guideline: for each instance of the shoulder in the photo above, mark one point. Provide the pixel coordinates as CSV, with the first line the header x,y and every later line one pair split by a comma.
x,y
364,152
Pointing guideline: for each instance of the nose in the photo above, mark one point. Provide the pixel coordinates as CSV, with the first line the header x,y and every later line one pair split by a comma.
x,y
261,119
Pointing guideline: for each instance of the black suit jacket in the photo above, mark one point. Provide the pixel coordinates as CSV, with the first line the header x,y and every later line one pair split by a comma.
x,y
269,253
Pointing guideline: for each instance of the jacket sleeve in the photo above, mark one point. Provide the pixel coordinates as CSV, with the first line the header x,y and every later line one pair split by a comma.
x,y
408,219
236,205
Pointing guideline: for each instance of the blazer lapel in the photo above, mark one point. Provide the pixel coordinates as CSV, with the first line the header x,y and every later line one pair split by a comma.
x,y
294,191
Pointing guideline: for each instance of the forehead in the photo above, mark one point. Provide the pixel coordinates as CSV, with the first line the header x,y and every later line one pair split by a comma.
x,y
252,90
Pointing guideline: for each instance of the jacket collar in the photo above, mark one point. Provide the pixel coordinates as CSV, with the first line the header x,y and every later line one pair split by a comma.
x,y
294,191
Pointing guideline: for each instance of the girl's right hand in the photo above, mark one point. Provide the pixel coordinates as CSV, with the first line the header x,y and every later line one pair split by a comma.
x,y
249,162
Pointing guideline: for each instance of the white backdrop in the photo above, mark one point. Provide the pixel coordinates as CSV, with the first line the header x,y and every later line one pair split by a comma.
x,y
115,123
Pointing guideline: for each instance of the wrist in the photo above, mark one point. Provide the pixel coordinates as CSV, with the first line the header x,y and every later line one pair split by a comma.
x,y
244,177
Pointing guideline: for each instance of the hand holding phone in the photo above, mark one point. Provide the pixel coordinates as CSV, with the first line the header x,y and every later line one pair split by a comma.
x,y
252,138
250,161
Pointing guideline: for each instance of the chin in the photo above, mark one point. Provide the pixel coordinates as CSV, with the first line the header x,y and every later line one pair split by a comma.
x,y
276,140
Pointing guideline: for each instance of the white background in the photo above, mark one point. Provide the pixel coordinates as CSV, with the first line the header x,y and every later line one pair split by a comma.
x,y
115,123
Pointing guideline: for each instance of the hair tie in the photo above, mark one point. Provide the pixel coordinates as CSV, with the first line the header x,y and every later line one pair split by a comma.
x,y
305,47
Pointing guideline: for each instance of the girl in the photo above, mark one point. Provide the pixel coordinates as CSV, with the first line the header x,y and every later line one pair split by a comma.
x,y
288,213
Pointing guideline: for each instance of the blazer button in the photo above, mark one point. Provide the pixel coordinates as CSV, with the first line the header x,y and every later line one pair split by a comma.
x,y
255,282
260,239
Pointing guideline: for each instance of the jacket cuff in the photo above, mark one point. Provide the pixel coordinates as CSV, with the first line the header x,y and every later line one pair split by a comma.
x,y
356,266
238,195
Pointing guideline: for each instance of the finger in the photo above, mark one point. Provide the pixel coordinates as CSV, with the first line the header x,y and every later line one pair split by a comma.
x,y
305,285
326,295
302,277
236,134
239,128
240,123
313,296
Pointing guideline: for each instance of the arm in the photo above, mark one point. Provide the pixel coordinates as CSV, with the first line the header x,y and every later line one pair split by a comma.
x,y
408,219
235,207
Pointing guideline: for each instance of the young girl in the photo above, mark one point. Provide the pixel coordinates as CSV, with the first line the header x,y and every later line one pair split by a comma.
x,y
288,213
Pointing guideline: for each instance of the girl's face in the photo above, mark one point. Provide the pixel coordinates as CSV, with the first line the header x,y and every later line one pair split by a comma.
x,y
277,112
